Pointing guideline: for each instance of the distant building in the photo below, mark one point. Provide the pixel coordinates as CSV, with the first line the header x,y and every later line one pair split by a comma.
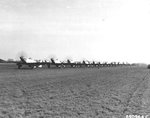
x,y
10,60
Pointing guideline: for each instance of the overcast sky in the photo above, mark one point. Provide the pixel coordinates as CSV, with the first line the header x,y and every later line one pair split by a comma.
x,y
104,30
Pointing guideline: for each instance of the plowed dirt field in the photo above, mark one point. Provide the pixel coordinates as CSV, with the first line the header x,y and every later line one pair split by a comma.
x,y
108,92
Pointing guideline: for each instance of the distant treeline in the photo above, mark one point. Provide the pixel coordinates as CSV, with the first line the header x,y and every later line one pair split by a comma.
x,y
7,61
2,61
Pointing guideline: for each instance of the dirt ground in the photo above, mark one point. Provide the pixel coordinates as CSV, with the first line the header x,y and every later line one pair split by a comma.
x,y
108,92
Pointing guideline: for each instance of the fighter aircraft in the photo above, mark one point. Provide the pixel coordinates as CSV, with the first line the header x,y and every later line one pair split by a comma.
x,y
30,62
56,62
69,63
86,63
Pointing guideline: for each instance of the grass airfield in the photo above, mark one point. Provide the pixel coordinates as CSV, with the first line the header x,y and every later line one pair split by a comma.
x,y
107,92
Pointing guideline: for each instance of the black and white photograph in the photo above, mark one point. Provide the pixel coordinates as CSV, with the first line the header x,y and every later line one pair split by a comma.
x,y
74,59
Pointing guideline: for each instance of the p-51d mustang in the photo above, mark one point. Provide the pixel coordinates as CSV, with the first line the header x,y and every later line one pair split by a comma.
x,y
56,62
31,63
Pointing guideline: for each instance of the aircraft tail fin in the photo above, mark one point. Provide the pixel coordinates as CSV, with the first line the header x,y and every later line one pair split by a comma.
x,y
23,59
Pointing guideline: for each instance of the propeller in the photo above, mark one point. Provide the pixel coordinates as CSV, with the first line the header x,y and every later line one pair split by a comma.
x,y
68,58
52,56
21,54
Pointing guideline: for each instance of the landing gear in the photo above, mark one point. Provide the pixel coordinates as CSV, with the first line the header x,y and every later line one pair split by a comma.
x,y
48,65
31,66
148,66
19,66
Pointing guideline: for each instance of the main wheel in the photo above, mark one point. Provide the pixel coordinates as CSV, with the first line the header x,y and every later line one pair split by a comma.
x,y
148,66
19,66
48,65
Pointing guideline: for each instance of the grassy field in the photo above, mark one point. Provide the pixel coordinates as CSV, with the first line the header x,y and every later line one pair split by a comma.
x,y
109,92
